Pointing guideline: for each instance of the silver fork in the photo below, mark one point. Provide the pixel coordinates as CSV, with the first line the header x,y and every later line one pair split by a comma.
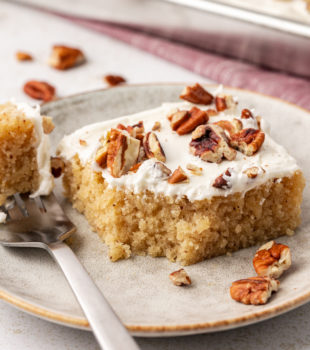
x,y
41,223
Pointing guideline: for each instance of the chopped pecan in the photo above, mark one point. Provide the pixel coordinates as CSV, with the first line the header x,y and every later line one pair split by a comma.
x,y
211,112
180,278
197,94
48,125
195,170
222,181
184,122
231,127
253,290
246,114
23,56
156,126
259,122
223,102
272,259
64,57
114,80
178,176
209,142
135,167
82,142
161,171
253,172
248,141
123,151
136,130
39,90
57,166
152,147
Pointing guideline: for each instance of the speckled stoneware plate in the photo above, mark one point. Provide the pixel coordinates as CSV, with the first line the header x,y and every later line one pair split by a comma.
x,y
139,288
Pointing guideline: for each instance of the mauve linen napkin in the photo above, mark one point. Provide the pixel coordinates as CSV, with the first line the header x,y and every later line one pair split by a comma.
x,y
215,67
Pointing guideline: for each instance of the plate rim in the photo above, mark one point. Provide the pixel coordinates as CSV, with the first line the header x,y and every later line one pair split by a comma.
x,y
161,330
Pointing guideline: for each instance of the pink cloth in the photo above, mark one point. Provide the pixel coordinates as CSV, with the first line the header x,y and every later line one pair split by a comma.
x,y
218,68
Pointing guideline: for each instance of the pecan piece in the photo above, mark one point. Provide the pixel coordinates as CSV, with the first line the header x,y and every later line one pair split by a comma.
x,y
135,167
195,170
253,172
211,112
254,290
23,56
152,147
230,127
178,176
136,130
39,90
223,102
48,125
184,122
123,152
272,259
197,94
223,181
161,171
156,126
210,143
246,114
57,166
180,278
114,80
248,141
65,57
101,156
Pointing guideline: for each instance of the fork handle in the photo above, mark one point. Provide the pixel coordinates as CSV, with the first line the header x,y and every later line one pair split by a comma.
x,y
109,331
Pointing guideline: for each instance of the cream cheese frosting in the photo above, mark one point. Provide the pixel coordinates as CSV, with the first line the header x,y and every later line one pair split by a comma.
x,y
272,158
43,148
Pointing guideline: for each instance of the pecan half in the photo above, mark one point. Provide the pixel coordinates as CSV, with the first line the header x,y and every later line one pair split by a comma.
x,y
47,124
65,57
184,122
178,176
210,143
248,141
123,151
114,80
272,259
197,94
246,114
253,290
23,56
231,127
223,102
57,166
222,181
180,278
152,147
39,90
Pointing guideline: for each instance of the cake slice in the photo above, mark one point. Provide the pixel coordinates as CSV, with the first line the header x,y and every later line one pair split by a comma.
x,y
188,180
24,150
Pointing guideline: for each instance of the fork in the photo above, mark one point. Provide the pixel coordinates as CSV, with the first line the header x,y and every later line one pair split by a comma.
x,y
40,222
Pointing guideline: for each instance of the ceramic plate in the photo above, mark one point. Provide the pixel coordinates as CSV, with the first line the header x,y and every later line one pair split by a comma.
x,y
139,288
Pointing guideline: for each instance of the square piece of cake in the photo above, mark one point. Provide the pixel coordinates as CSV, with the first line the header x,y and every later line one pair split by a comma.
x,y
188,180
24,150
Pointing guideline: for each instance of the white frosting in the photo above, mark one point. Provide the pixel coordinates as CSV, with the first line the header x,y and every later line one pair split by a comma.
x,y
43,148
2,217
272,157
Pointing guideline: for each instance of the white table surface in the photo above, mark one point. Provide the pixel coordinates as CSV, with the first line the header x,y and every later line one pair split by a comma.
x,y
24,29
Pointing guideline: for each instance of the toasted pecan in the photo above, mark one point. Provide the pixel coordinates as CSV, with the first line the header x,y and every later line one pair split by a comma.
x,y
197,94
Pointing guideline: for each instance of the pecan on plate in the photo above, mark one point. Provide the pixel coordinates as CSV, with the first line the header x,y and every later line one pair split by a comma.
x,y
272,259
114,80
253,290
184,122
248,141
152,147
65,57
223,181
230,127
122,152
223,102
57,166
180,278
39,90
178,176
210,143
23,56
197,94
